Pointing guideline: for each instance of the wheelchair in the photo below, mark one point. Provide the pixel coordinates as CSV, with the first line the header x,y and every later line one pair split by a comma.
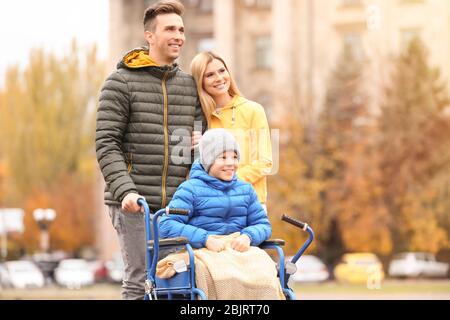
x,y
182,284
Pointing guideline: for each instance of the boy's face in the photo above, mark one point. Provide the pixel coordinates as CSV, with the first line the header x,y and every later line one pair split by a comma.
x,y
225,166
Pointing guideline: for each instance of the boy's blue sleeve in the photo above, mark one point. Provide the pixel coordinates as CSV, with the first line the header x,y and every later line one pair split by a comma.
x,y
258,227
172,226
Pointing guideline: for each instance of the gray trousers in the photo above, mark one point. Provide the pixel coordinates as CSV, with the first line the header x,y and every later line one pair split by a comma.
x,y
130,229
131,232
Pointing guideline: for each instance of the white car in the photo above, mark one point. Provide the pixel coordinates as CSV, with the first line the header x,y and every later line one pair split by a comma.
x,y
21,274
417,264
309,269
115,268
3,276
74,273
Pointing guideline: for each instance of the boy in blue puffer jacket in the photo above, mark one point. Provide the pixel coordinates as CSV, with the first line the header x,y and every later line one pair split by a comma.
x,y
218,203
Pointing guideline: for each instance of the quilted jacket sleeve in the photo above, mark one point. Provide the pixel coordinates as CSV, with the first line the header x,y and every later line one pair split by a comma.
x,y
178,226
112,121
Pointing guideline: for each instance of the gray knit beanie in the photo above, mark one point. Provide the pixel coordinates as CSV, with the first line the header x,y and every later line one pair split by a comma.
x,y
215,142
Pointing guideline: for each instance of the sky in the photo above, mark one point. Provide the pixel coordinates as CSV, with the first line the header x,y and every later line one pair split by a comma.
x,y
50,24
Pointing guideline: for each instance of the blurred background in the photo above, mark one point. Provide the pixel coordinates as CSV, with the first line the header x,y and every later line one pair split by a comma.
x,y
358,89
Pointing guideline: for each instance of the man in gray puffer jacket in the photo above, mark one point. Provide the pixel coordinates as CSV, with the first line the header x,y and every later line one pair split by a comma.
x,y
145,122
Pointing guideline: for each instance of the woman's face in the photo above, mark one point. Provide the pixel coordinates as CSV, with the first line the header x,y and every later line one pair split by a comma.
x,y
216,80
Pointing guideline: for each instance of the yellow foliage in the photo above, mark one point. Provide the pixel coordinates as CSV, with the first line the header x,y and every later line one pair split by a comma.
x,y
48,124
421,225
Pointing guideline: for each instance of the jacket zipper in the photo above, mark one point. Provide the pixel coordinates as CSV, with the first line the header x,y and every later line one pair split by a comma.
x,y
130,162
228,211
166,142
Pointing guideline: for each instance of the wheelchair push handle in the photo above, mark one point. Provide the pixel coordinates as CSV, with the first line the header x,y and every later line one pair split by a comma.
x,y
181,212
142,203
295,222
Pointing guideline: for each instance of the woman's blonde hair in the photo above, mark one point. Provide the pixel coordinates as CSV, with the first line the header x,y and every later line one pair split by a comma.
x,y
198,68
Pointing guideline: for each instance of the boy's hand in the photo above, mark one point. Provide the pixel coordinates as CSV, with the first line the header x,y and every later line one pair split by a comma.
x,y
241,243
214,244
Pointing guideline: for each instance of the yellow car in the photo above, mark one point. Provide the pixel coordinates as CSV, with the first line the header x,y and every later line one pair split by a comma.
x,y
359,268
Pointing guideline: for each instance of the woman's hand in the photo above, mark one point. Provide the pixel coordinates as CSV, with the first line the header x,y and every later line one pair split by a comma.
x,y
241,243
214,244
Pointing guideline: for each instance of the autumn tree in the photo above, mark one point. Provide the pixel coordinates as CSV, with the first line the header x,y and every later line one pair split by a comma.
x,y
415,149
348,164
47,124
293,191
2,181
329,173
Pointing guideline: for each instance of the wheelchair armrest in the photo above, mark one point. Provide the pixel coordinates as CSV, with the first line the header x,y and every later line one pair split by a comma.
x,y
170,242
273,242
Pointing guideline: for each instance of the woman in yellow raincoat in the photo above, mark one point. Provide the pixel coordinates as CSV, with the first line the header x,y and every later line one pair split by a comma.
x,y
225,107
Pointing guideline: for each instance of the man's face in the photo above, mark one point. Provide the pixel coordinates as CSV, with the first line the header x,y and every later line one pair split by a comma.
x,y
167,39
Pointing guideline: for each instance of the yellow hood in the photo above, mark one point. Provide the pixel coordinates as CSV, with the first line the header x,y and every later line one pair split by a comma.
x,y
139,59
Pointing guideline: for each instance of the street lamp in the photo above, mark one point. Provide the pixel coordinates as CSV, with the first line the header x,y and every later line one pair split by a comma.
x,y
44,217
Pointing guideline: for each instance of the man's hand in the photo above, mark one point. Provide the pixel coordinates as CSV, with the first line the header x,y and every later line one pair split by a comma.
x,y
214,244
129,203
196,136
241,243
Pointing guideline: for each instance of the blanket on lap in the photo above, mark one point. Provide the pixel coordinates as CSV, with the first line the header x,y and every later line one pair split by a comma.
x,y
229,274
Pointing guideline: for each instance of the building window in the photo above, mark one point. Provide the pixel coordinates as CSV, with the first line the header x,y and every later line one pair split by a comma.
x,y
353,42
263,52
192,3
201,5
206,5
148,3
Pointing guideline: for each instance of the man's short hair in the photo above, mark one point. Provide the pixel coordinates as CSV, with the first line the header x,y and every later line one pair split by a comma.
x,y
161,7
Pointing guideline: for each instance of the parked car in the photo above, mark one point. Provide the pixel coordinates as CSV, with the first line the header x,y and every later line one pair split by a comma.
x,y
3,276
47,263
115,268
309,269
359,268
100,270
417,264
443,255
74,273
21,274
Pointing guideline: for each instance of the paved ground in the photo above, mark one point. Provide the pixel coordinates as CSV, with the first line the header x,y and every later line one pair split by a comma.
x,y
389,290
96,292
